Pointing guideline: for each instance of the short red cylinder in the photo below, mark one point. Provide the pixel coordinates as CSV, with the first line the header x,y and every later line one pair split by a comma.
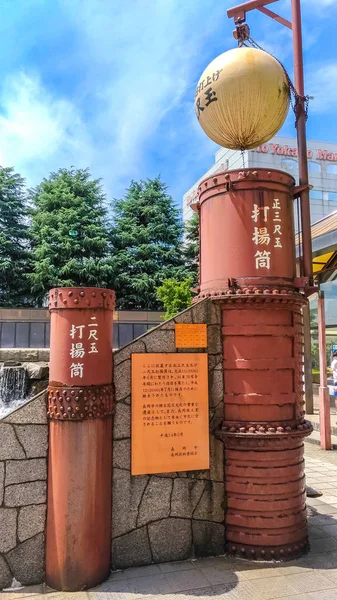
x,y
247,229
80,407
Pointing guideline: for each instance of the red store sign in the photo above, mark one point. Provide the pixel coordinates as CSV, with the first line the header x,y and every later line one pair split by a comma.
x,y
293,152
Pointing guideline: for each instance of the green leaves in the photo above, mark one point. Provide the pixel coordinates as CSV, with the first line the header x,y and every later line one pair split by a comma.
x,y
175,296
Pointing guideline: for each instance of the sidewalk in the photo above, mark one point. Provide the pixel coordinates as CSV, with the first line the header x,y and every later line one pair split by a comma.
x,y
312,577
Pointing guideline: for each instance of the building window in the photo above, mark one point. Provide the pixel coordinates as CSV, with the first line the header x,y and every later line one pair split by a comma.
x,y
289,165
332,196
314,167
331,169
316,194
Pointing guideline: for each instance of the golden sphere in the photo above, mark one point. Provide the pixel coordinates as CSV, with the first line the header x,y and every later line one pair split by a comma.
x,y
242,98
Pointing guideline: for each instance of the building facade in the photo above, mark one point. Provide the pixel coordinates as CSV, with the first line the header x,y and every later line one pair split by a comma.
x,y
281,153
30,327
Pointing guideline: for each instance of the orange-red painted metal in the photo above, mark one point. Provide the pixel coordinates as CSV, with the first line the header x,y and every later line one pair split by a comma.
x,y
80,407
248,264
237,210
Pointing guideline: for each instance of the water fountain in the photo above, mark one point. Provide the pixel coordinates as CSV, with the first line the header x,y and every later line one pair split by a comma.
x,y
14,379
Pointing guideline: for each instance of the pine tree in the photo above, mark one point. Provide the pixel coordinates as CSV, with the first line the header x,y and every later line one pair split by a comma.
x,y
69,232
191,247
14,248
146,240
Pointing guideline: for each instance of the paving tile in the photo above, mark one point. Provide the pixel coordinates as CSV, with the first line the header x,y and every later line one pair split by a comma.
x,y
331,529
66,596
326,509
151,584
105,595
330,574
286,569
142,571
316,533
117,575
261,573
311,582
186,580
322,595
325,545
217,575
228,562
173,567
24,592
272,587
329,499
321,484
314,501
319,520
243,590
111,585
297,597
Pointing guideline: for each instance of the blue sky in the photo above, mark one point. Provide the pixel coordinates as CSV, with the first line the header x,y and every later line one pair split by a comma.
x,y
109,84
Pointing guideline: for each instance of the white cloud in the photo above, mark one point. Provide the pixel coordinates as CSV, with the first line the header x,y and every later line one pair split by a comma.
x,y
137,60
321,83
38,131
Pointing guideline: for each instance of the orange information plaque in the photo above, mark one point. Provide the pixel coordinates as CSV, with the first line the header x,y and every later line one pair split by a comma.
x,y
169,413
191,336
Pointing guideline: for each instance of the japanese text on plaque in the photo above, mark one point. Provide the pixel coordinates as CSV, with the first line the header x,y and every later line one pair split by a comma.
x,y
169,412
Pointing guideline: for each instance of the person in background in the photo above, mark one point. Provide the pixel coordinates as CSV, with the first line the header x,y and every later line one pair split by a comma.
x,y
333,369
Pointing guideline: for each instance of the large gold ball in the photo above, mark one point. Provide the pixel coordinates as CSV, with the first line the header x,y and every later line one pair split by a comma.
x,y
242,98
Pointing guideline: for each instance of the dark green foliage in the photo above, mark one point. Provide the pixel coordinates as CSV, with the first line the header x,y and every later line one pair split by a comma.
x,y
146,240
69,232
14,254
191,247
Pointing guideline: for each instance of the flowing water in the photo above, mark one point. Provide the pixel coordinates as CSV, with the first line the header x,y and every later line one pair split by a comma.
x,y
13,387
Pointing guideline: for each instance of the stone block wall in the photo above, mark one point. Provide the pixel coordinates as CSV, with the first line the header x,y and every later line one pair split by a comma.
x,y
169,516
24,354
23,493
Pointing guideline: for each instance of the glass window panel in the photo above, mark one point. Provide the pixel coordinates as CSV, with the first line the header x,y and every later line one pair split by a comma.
x,y
331,169
316,194
115,336
125,333
314,167
37,335
47,334
139,329
288,164
332,195
7,335
22,335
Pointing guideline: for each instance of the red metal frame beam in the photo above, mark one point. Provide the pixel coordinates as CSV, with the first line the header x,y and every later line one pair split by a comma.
x,y
247,6
275,17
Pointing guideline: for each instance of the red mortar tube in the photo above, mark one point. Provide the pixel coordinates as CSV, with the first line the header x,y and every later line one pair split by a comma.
x,y
80,409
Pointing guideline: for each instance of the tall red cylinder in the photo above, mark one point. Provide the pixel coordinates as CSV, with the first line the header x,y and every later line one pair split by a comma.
x,y
80,408
247,262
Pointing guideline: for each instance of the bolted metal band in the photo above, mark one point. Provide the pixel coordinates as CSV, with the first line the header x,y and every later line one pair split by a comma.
x,y
81,298
79,404
269,553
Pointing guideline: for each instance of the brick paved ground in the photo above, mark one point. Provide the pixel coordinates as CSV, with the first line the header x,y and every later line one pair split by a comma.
x,y
313,577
